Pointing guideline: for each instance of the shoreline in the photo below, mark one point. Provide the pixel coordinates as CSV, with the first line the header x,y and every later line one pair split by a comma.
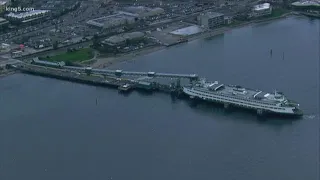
x,y
104,62
6,73
108,61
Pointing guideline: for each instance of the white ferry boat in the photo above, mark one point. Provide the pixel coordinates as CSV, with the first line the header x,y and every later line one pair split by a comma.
x,y
261,101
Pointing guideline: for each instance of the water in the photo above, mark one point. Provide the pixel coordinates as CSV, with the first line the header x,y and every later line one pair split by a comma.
x,y
51,129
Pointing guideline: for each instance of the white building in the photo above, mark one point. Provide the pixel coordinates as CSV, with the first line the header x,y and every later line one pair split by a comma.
x,y
307,3
187,31
211,19
261,10
27,16
115,20
143,12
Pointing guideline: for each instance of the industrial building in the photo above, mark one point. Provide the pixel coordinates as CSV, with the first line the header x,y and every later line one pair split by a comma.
x,y
211,20
115,20
26,17
144,12
260,10
122,39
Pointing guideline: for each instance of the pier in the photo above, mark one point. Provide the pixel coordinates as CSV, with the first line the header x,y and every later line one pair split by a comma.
x,y
117,73
124,81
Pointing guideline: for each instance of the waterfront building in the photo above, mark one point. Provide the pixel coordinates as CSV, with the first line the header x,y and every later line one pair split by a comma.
x,y
260,10
211,20
228,19
306,5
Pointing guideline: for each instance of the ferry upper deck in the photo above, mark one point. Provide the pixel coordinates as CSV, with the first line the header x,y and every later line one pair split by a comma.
x,y
240,92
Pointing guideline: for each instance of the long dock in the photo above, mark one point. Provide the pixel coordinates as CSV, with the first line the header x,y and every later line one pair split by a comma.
x,y
117,73
94,78
69,75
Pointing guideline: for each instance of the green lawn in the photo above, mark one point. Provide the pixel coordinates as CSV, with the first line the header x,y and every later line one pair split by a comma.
x,y
75,56
278,12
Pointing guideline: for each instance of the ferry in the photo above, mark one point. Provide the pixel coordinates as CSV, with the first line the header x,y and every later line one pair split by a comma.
x,y
262,102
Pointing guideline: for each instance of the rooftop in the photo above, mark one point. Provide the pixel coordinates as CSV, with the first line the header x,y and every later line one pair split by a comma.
x,y
260,7
190,30
123,37
27,14
307,3
141,9
213,14
112,19
2,20
3,2
240,92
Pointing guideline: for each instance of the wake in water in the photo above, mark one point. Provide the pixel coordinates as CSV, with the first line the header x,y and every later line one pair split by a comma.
x,y
311,116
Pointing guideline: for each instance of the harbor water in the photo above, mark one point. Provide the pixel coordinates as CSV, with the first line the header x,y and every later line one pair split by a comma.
x,y
52,129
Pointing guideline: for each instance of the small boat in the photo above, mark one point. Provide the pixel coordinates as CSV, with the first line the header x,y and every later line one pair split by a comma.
x,y
124,88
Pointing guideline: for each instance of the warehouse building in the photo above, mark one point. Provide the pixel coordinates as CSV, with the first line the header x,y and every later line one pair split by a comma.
x,y
211,20
261,10
27,17
122,39
144,12
115,20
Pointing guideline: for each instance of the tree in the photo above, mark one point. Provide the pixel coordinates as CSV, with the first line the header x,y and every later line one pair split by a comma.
x,y
95,41
55,45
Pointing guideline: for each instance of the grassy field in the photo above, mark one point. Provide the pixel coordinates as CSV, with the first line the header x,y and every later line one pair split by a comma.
x,y
75,56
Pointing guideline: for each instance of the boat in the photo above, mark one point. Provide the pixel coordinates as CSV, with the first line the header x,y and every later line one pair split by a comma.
x,y
124,88
260,101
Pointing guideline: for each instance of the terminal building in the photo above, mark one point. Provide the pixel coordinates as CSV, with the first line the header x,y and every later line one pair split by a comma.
x,y
27,17
211,20
112,21
143,12
261,10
